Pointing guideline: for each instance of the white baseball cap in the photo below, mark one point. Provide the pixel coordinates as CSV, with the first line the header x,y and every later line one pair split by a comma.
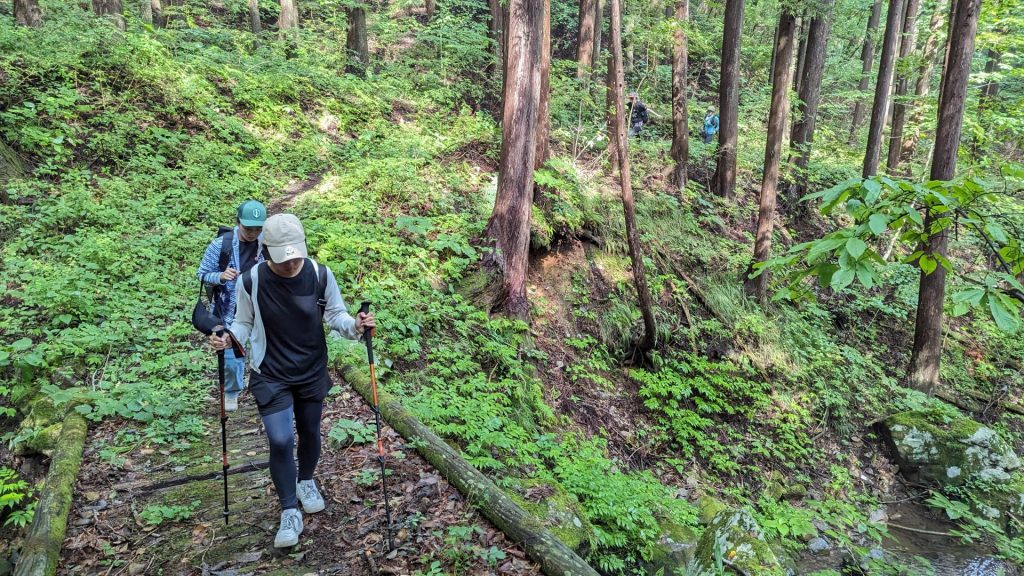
x,y
284,238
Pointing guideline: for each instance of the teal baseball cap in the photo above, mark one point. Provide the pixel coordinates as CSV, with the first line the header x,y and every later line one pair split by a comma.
x,y
252,213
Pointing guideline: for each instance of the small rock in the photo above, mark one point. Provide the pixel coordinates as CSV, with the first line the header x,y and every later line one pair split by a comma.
x,y
879,516
82,522
818,545
92,496
136,569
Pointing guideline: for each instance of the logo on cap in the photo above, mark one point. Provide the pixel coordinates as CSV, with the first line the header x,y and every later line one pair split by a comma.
x,y
255,212
289,251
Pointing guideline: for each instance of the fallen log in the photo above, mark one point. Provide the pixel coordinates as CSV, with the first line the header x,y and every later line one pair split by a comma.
x,y
41,551
543,547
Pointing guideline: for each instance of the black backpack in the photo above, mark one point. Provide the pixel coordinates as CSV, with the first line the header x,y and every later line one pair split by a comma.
x,y
321,283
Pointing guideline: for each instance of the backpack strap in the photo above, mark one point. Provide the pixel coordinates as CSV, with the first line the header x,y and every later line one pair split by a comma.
x,y
247,280
226,248
321,287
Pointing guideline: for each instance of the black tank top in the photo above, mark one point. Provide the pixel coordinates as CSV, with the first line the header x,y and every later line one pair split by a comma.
x,y
296,346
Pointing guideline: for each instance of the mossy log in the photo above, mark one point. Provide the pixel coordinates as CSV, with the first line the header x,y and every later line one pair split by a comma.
x,y
543,547
41,551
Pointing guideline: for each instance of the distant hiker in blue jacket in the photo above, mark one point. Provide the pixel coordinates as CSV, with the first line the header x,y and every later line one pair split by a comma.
x,y
710,125
283,305
231,253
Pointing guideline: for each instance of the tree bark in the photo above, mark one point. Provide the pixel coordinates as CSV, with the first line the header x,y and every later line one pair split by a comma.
x,y
924,80
146,12
773,149
867,57
158,13
680,130
27,13
923,373
724,180
112,8
497,32
609,106
801,53
810,94
543,112
356,43
41,550
585,39
543,547
255,22
599,7
289,15
621,144
882,85
430,7
899,105
509,227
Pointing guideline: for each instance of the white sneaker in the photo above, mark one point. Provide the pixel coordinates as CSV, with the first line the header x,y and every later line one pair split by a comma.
x,y
230,402
291,527
310,497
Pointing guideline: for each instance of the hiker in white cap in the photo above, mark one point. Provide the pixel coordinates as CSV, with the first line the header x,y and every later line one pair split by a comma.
x,y
282,306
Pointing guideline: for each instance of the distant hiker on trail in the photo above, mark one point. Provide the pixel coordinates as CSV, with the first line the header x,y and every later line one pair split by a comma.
x,y
234,251
638,114
282,306
710,125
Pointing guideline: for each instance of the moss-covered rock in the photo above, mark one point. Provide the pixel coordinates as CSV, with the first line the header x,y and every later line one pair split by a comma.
x,y
947,451
40,430
674,551
709,507
733,538
557,509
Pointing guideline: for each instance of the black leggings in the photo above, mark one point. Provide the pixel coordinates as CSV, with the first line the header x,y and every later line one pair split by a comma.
x,y
282,447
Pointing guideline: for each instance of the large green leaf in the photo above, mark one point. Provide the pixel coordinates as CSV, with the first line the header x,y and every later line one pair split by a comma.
x,y
856,247
1007,321
928,263
842,279
878,223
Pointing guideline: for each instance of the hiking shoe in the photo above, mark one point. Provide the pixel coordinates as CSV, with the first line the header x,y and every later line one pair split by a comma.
x,y
291,527
310,497
230,402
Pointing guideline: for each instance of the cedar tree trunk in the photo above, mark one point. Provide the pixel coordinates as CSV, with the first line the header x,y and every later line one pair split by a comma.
x,y
680,130
881,103
867,57
356,43
27,13
289,15
899,103
585,40
810,95
724,181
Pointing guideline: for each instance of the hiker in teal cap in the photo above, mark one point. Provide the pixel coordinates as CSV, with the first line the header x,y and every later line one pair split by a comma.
x,y
232,253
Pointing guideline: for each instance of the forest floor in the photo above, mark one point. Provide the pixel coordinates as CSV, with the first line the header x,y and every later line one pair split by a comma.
x,y
123,522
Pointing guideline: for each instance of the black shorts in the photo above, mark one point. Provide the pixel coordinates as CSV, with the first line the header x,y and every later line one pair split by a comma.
x,y
273,396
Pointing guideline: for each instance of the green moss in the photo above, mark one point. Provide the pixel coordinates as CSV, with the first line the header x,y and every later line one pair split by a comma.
x,y
674,550
735,538
556,509
709,508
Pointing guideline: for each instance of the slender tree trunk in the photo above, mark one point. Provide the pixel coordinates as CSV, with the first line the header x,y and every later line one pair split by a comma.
x,y
255,22
810,94
884,82
923,373
497,31
289,15
953,6
899,103
773,149
356,43
867,57
543,113
988,93
680,129
610,118
509,226
599,7
621,144
801,53
158,14
27,13
724,182
430,7
924,80
585,40
112,8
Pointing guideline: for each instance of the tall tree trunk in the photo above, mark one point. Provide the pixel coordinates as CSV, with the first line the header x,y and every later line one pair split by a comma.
x,y
158,13
810,94
680,119
599,7
882,85
356,43
899,103
112,8
867,57
289,15
610,118
585,39
801,52
924,80
988,93
923,373
621,144
543,113
430,7
509,226
953,7
773,149
724,181
255,22
146,12
27,13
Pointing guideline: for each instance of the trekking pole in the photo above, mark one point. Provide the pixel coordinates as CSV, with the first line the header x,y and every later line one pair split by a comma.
x,y
223,421
368,336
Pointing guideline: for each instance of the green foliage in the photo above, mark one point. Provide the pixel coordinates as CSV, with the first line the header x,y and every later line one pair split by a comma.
x,y
157,514
345,432
13,493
